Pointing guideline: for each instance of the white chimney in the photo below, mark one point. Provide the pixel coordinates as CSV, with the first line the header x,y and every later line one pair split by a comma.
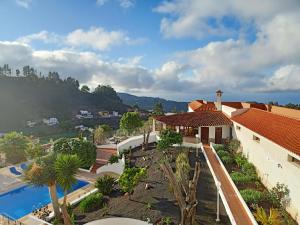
x,y
219,100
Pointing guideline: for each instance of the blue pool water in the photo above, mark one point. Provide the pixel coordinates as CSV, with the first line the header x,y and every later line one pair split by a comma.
x,y
21,201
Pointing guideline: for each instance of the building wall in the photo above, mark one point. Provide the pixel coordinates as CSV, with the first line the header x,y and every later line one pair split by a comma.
x,y
271,161
228,110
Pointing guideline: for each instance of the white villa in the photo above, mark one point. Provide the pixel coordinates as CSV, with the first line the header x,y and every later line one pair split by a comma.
x,y
52,121
269,136
84,114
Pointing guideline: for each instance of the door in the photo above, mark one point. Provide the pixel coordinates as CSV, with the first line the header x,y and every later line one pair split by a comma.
x,y
218,135
204,135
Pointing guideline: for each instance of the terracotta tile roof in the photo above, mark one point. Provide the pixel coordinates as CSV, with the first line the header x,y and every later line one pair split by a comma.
x,y
196,119
281,130
258,106
236,105
195,104
209,106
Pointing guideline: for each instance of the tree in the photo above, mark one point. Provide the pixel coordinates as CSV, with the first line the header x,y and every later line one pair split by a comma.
x,y
99,136
14,145
85,89
272,219
184,188
130,178
66,167
158,109
34,151
130,121
168,138
146,129
85,150
42,172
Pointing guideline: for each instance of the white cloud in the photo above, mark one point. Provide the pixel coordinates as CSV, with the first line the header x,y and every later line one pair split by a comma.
x,y
24,3
123,3
44,36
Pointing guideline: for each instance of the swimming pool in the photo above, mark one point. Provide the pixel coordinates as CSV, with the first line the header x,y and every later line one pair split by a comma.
x,y
23,200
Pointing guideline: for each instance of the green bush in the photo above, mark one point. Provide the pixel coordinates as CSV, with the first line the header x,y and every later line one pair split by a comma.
x,y
105,184
279,196
227,159
252,197
113,159
249,168
218,147
131,177
222,153
240,160
234,145
240,178
91,203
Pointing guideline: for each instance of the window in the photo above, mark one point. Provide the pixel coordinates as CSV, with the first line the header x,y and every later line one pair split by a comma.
x,y
255,138
238,127
294,160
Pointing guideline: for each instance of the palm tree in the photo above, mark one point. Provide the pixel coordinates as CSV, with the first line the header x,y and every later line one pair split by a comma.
x,y
66,167
42,172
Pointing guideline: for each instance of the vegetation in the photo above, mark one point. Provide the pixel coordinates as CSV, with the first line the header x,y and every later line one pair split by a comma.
x,y
146,129
33,97
15,145
130,178
66,167
252,196
85,150
105,184
113,159
158,109
34,151
99,136
130,122
168,138
184,188
91,203
274,218
279,196
42,172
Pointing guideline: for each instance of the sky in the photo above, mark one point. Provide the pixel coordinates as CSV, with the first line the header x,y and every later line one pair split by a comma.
x,y
175,49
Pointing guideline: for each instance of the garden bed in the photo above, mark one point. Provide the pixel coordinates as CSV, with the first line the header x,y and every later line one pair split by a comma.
x,y
158,202
255,194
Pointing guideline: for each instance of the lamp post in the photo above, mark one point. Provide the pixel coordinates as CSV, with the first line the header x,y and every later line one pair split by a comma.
x,y
218,184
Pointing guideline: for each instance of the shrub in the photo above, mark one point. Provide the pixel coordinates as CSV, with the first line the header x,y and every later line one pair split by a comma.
x,y
131,177
249,168
227,159
91,203
105,184
218,148
240,159
252,196
234,145
222,153
113,159
240,178
279,196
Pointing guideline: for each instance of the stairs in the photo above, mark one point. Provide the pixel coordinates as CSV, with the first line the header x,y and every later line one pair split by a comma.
x,y
103,155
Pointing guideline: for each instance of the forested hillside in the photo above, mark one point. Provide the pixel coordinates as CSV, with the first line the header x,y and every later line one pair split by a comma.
x,y
148,103
33,97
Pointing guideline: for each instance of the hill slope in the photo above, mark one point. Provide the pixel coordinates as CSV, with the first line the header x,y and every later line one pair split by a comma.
x,y
34,98
149,102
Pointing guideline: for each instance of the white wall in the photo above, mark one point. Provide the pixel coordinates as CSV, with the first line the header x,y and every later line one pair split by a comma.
x,y
116,168
225,132
190,109
134,142
271,161
228,110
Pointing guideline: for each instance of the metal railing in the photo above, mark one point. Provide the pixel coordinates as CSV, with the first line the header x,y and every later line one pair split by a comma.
x,y
8,220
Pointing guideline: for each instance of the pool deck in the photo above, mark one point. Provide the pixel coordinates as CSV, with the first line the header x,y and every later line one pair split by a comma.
x,y
30,220
9,181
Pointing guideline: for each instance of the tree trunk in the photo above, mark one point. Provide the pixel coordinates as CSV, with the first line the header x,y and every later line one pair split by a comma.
x,y
54,200
187,199
67,219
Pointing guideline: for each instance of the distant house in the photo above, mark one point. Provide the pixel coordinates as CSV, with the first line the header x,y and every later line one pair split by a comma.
x,y
30,123
84,114
52,121
81,128
104,114
115,113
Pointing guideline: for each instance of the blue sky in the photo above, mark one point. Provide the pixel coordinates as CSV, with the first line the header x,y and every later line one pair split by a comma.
x,y
177,49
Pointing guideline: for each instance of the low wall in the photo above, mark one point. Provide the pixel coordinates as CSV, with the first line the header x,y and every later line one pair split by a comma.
x,y
115,168
134,142
118,221
234,187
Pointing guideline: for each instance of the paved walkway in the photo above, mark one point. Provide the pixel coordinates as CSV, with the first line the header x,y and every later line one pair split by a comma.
x,y
239,213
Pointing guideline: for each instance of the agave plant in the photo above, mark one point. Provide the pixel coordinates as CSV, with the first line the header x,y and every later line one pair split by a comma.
x,y
272,219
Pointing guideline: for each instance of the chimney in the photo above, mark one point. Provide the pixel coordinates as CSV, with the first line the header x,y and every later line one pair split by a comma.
x,y
269,107
219,101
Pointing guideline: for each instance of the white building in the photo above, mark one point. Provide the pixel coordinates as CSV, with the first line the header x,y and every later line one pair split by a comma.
x,y
271,141
52,121
84,114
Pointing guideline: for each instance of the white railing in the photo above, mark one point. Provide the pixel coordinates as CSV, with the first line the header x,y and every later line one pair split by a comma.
x,y
249,213
116,168
226,206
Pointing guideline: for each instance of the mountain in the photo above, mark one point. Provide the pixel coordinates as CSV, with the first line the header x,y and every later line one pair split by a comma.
x,y
148,103
34,98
